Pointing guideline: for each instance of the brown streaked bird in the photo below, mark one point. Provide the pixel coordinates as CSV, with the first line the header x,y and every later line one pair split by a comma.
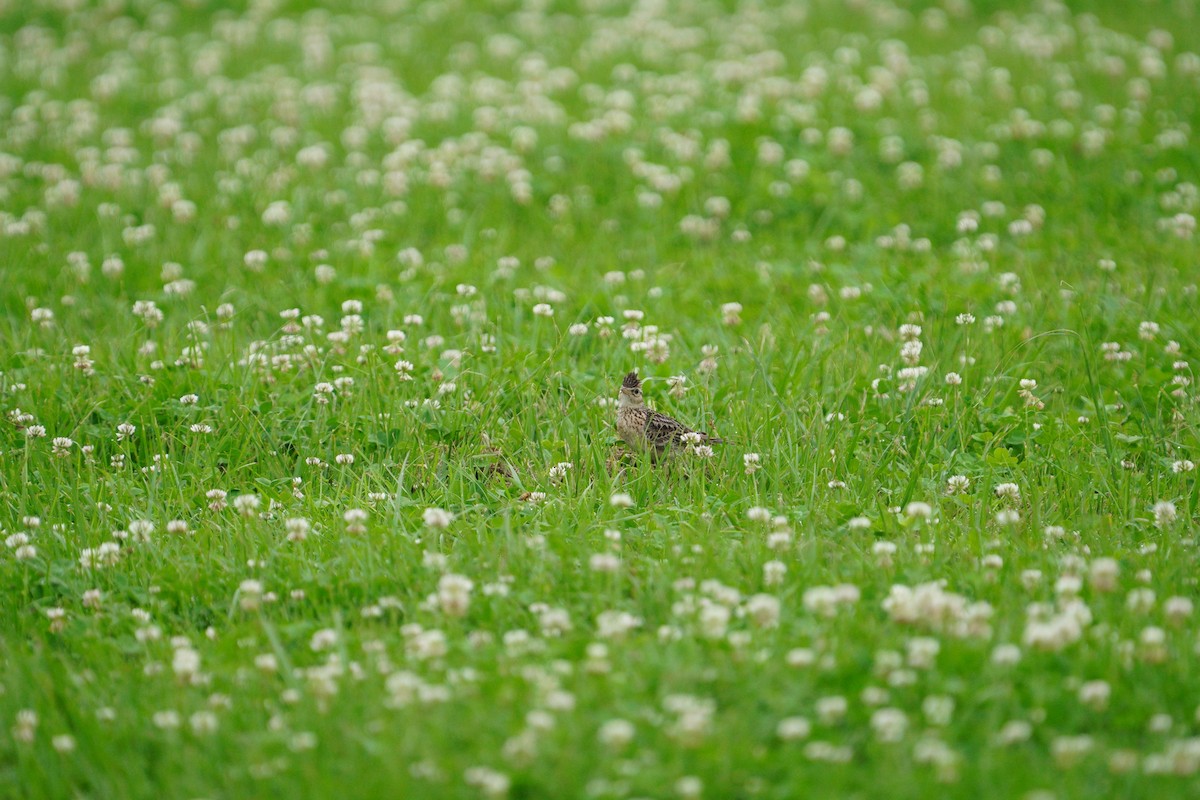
x,y
643,429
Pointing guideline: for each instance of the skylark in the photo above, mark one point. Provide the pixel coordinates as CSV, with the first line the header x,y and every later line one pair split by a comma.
x,y
643,429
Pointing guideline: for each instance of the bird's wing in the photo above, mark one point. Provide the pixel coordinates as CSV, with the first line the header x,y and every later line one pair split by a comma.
x,y
662,430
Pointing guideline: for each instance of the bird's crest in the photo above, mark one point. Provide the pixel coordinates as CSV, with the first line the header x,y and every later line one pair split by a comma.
x,y
631,381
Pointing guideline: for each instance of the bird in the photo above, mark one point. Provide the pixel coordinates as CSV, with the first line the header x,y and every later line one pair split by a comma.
x,y
644,429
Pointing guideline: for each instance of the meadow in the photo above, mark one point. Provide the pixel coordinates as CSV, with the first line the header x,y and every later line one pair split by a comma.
x,y
312,322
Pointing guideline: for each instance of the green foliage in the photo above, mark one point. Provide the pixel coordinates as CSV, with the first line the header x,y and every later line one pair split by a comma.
x,y
342,267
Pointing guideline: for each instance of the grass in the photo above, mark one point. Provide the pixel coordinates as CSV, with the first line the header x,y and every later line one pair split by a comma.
x,y
1015,180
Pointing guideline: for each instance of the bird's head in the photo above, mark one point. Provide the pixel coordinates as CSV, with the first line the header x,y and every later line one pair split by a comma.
x,y
631,391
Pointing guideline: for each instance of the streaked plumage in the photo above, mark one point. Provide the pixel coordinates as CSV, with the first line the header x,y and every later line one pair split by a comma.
x,y
643,429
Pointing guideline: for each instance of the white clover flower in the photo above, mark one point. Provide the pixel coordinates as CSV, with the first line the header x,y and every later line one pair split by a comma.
x,y
615,734
140,529
621,500
774,572
437,518
314,156
1095,694
1008,491
105,555
1141,600
731,313
247,504
604,562
889,724
250,594
255,260
297,529
1007,516
910,352
714,620
859,523
1164,513
1006,655
203,722
615,624
185,662
277,213
454,594
758,514
791,729
918,510
763,610
323,640
167,720
355,519
559,471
